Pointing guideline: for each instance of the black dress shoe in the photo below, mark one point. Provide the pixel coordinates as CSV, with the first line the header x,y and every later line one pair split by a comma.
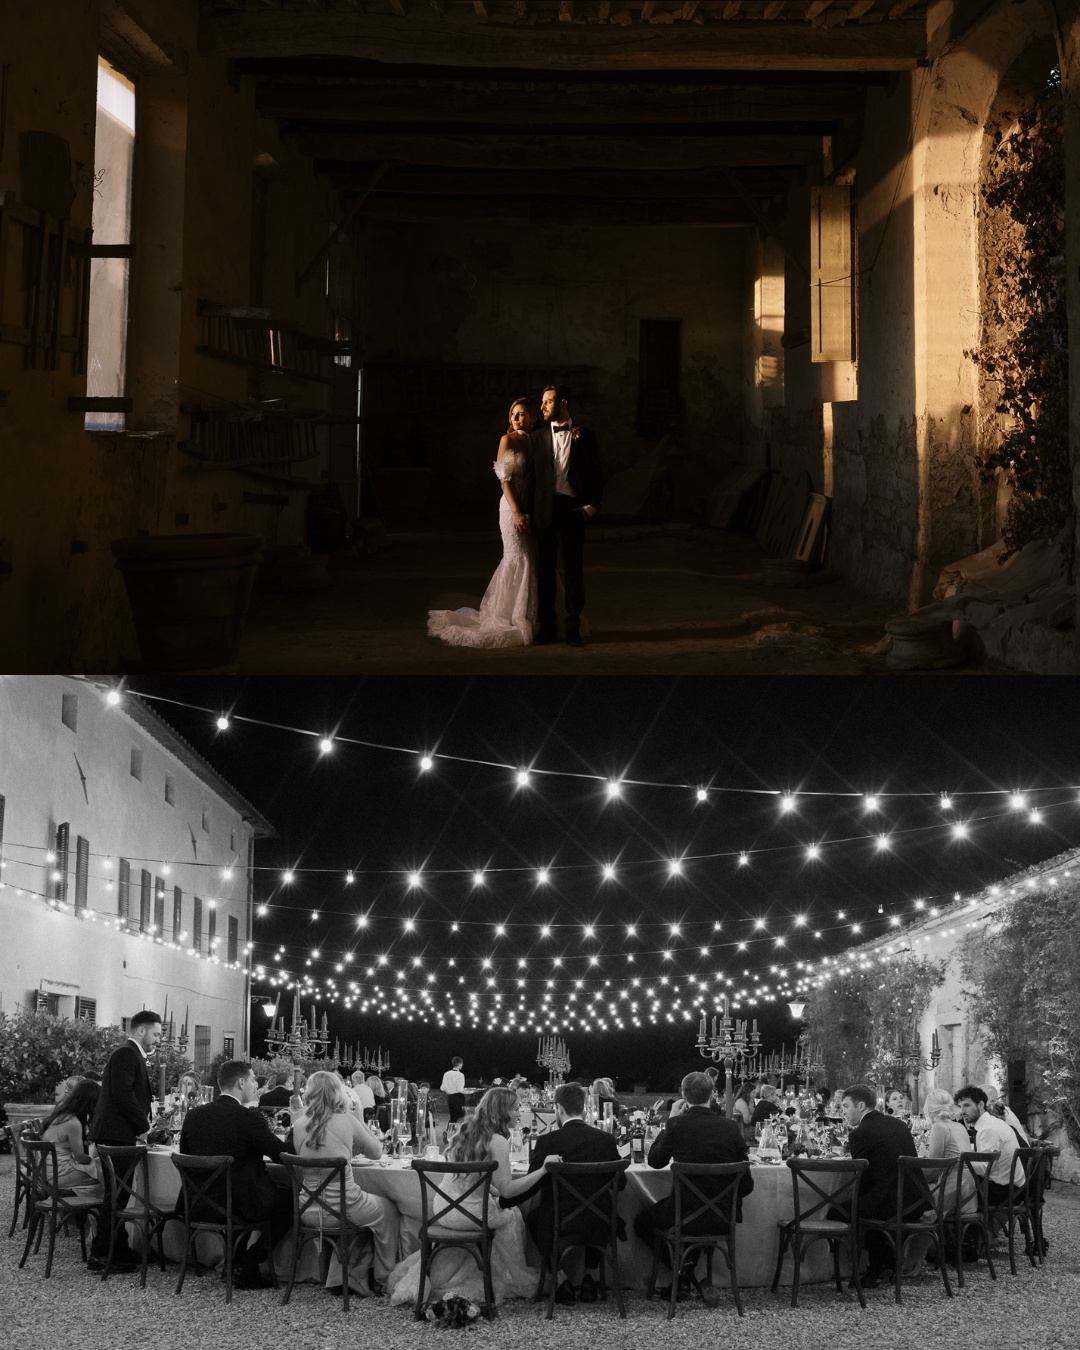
x,y
121,1266
543,637
587,1289
564,1293
251,1279
573,639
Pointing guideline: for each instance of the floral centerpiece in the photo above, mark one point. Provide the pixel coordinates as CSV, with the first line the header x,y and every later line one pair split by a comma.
x,y
452,1311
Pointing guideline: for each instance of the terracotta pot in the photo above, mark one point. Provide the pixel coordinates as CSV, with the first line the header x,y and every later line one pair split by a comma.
x,y
189,595
18,1113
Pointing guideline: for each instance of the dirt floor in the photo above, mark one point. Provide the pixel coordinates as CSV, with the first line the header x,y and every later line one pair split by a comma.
x,y
672,600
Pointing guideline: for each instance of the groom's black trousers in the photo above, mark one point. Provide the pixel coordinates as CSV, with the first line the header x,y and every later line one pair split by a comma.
x,y
566,533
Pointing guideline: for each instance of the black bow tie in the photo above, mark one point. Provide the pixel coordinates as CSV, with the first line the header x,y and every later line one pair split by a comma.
x,y
560,426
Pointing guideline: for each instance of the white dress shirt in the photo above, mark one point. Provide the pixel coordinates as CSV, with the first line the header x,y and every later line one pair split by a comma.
x,y
561,440
453,1083
994,1136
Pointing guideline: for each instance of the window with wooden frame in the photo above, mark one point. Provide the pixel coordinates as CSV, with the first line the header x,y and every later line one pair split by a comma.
x,y
123,890
145,895
114,157
202,1048
196,925
177,913
234,935
159,907
211,930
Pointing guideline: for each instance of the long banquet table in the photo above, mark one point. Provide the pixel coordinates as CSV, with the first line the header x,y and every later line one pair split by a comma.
x,y
770,1202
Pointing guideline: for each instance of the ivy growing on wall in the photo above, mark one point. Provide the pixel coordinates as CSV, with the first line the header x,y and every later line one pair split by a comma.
x,y
1024,348
856,1017
1023,983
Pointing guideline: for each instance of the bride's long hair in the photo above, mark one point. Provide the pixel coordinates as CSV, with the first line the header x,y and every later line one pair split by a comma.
x,y
492,1117
324,1096
517,403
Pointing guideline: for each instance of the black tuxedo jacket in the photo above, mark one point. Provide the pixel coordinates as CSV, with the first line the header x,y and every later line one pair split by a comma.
x,y
882,1141
126,1099
576,1142
226,1127
584,472
699,1135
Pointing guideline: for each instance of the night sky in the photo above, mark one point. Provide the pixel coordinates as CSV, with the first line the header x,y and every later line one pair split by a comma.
x,y
375,811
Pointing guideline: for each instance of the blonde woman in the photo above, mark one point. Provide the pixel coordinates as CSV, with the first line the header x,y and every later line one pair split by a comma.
x,y
507,613
947,1139
483,1137
327,1129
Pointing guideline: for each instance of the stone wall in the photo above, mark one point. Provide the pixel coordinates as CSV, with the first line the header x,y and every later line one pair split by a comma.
x,y
547,298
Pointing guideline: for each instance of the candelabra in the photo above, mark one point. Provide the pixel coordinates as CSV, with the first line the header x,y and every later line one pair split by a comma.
x,y
301,1041
805,1061
904,1060
376,1063
732,1045
170,1040
552,1054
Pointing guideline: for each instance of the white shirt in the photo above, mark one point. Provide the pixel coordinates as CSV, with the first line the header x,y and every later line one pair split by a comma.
x,y
994,1136
561,440
453,1083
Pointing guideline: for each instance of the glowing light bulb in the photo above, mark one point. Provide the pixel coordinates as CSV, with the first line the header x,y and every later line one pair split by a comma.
x,y
414,879
326,745
787,802
314,913
881,843
349,878
425,762
523,778
112,698
542,876
1035,815
871,803
946,802
263,911
959,830
223,723
609,872
675,867
1017,801
744,859
702,795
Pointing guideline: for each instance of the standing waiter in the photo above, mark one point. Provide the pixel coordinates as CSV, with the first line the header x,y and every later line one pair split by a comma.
x,y
122,1114
453,1084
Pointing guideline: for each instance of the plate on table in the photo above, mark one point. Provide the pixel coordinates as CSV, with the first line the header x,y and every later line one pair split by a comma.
x,y
366,1162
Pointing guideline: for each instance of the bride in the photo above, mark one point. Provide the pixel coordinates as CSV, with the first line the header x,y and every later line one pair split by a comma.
x,y
483,1138
507,613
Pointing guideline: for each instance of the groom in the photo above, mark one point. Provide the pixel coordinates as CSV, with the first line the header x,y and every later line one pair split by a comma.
x,y
566,485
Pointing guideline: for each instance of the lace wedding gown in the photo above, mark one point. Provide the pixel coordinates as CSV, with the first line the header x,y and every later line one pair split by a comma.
x,y
453,1270
507,613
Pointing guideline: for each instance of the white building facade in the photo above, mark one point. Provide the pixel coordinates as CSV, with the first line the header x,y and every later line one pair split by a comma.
x,y
125,866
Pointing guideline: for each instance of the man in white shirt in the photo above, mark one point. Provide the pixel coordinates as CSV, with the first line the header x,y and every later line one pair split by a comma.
x,y
998,1106
361,1098
453,1084
991,1136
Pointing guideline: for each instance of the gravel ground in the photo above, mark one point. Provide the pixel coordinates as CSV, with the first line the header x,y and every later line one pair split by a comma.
x,y
1038,1308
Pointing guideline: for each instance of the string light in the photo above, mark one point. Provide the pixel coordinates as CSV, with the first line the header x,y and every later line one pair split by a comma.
x,y
787,803
326,745
112,698
614,789
425,763
222,723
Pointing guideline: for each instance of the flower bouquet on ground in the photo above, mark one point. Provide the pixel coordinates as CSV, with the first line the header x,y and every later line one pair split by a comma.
x,y
451,1311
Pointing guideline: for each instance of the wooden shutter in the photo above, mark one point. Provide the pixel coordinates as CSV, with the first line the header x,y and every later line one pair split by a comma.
x,y
159,906
86,1008
123,891
63,834
177,913
232,939
196,925
144,900
211,931
82,871
832,275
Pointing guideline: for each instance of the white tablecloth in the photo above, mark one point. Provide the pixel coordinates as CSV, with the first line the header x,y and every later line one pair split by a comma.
x,y
758,1241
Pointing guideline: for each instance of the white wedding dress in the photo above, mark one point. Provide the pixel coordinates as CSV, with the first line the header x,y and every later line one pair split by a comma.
x,y
507,613
453,1270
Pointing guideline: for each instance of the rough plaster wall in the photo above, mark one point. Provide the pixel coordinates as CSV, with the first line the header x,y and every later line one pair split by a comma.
x,y
62,609
565,297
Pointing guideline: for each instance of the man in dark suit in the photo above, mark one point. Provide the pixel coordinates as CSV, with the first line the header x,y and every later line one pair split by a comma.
x,y
694,1135
564,484
572,1141
882,1141
226,1126
121,1116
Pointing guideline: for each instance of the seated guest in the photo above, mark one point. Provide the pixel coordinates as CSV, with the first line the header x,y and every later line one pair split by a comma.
x,y
696,1136
767,1105
571,1141
66,1126
362,1098
66,1088
998,1106
328,1129
898,1103
277,1091
742,1109
224,1127
992,1135
947,1139
188,1092
882,1140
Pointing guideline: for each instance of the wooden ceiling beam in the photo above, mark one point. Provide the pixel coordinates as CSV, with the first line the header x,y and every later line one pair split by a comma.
x,y
593,186
384,101
458,38
451,151
716,214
